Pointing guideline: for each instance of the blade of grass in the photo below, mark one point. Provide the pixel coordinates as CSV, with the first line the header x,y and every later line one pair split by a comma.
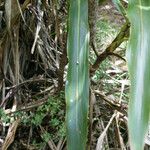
x,y
77,84
138,55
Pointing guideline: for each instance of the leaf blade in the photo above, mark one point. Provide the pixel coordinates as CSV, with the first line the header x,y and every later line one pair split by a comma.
x,y
138,56
77,84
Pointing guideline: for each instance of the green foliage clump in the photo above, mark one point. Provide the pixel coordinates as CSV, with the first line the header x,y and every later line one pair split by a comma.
x,y
51,114
4,118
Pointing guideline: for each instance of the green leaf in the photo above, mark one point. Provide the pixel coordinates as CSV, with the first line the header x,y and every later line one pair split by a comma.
x,y
77,84
138,56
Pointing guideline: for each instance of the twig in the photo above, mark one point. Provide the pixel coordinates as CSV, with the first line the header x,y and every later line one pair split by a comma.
x,y
94,49
101,123
102,136
114,54
117,106
11,134
91,107
50,142
121,143
61,144
29,106
30,81
121,37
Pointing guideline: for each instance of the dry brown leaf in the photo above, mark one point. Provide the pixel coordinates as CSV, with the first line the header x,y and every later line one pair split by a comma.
x,y
11,134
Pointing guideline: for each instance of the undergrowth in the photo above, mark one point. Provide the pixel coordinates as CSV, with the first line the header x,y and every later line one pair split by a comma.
x,y
46,122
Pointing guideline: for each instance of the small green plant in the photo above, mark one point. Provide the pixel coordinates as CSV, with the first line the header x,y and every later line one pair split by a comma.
x,y
46,136
4,118
52,113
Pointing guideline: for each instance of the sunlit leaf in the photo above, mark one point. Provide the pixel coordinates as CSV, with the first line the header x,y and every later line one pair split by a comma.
x,y
138,56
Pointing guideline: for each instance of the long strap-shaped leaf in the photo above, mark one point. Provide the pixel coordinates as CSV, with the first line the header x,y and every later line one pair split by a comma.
x,y
138,61
77,84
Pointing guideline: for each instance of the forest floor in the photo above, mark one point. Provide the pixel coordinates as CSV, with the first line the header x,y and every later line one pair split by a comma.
x,y
39,121
42,124
112,85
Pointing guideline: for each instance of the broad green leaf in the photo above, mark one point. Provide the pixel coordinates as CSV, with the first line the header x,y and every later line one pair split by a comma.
x,y
77,84
138,56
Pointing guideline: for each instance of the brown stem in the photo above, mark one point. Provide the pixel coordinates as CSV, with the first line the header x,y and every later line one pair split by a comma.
x,y
121,37
62,64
